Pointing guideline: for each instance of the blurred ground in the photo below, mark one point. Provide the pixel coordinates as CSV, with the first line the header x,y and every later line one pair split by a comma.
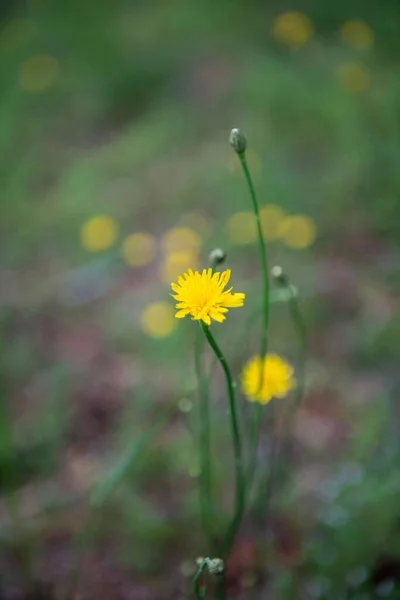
x,y
116,176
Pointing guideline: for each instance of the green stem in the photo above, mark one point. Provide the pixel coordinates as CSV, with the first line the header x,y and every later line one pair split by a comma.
x,y
206,502
257,410
237,447
198,591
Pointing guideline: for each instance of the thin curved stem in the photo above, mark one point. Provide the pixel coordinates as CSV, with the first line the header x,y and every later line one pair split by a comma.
x,y
206,502
257,410
198,591
240,493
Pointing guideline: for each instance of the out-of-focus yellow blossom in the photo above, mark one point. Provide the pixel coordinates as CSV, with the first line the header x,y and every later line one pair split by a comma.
x,y
241,228
357,34
99,233
139,249
271,217
16,33
253,161
181,239
203,296
198,221
277,378
38,74
353,77
298,231
293,29
157,320
176,263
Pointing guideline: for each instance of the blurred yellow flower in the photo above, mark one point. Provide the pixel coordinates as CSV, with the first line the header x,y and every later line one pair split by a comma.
x,y
298,231
38,73
181,238
99,233
157,320
16,33
253,161
241,228
271,217
139,249
277,378
357,34
202,296
353,77
292,28
176,263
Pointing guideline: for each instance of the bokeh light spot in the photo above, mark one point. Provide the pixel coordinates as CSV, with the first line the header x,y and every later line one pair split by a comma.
x,y
176,263
185,405
99,233
292,28
353,77
357,34
298,231
181,238
241,228
16,33
139,249
38,73
157,319
271,217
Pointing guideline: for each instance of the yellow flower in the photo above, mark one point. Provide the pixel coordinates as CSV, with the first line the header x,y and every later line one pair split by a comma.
x,y
202,296
353,78
277,378
241,228
271,217
99,233
157,320
357,34
139,249
292,28
298,231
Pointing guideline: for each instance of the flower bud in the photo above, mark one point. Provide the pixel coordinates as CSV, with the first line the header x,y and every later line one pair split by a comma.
x,y
238,141
217,256
278,275
216,566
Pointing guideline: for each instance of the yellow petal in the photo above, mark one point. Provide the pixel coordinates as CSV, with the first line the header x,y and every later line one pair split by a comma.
x,y
234,300
226,275
182,313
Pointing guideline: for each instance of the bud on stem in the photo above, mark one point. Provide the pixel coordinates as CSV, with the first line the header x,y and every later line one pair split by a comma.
x,y
238,141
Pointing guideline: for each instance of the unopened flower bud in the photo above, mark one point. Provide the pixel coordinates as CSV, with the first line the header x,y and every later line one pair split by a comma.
x,y
238,141
217,256
216,566
278,275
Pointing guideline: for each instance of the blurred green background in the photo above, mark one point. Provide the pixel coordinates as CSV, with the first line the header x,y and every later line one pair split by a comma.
x,y
116,175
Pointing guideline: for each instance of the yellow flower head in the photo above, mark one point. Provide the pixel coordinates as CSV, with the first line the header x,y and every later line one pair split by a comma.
x,y
202,296
277,378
